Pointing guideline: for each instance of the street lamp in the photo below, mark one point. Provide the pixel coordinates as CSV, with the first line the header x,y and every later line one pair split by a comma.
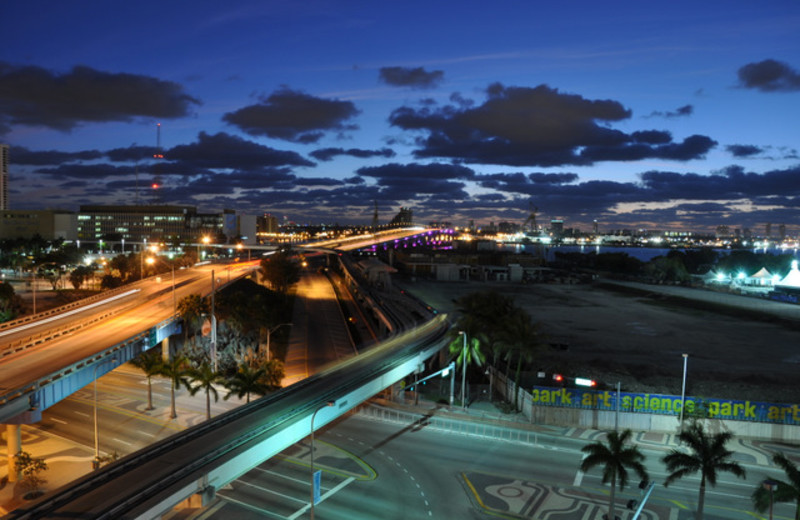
x,y
683,393
463,371
152,260
269,333
96,461
206,240
329,403
240,246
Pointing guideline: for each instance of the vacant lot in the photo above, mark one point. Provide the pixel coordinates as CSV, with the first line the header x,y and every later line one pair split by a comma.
x,y
638,339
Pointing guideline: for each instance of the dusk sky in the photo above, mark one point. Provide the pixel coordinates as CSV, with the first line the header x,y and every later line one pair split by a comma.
x,y
669,115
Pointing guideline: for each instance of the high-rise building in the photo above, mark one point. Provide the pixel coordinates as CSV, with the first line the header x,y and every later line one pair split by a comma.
x,y
4,177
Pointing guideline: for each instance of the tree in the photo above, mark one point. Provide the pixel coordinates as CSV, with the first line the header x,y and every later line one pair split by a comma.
x,y
784,491
280,270
11,304
615,456
150,363
481,314
520,337
666,269
465,355
177,370
31,468
204,378
708,455
79,275
190,309
247,380
109,281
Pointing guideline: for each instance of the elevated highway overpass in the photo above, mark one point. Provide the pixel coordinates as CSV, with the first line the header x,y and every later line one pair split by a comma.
x,y
197,462
44,360
46,357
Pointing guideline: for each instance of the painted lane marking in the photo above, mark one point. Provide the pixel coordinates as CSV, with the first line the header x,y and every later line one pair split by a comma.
x,y
330,492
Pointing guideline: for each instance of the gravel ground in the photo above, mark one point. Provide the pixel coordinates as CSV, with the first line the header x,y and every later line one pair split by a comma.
x,y
639,339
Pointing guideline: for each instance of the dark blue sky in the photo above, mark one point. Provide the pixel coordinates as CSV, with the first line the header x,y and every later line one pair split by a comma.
x,y
639,115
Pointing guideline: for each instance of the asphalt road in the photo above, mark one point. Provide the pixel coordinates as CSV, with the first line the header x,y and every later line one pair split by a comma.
x,y
392,471
375,470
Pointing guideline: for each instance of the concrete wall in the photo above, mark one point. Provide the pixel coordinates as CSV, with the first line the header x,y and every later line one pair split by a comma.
x,y
602,420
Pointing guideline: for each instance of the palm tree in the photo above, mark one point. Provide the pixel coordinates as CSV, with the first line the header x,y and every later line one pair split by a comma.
x,y
150,363
246,381
177,370
784,491
520,337
205,377
481,314
467,352
708,455
616,458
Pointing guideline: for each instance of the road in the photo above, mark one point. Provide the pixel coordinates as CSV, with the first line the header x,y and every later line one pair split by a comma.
x,y
396,471
375,470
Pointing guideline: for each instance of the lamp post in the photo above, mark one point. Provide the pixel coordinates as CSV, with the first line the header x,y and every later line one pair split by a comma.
x,y
206,240
213,319
34,288
96,461
269,333
683,393
329,403
463,371
770,486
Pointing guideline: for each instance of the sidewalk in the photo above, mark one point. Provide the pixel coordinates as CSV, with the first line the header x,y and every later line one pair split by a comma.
x,y
746,451
65,459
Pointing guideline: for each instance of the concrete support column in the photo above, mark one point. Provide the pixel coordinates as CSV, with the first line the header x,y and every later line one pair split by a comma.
x,y
14,441
165,349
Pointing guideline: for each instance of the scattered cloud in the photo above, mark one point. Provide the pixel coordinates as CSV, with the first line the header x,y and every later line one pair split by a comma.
x,y
769,76
327,154
410,181
223,150
743,150
294,116
24,156
685,110
410,77
34,96
523,126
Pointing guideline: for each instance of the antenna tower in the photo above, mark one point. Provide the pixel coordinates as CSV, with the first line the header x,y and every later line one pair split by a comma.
x,y
375,217
158,156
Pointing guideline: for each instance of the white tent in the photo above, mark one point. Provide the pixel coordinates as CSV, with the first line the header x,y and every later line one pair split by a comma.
x,y
762,277
792,279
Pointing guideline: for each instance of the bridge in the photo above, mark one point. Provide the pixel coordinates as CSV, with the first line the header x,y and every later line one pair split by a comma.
x,y
195,463
133,320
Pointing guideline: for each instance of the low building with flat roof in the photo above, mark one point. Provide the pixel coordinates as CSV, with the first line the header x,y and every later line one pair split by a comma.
x,y
48,224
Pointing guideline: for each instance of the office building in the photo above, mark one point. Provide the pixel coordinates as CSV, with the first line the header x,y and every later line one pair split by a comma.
x,y
48,224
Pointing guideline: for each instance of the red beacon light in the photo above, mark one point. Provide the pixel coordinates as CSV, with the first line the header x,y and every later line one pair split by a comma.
x,y
558,378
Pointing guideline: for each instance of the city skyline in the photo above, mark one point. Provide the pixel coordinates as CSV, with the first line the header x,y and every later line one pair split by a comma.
x,y
680,116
